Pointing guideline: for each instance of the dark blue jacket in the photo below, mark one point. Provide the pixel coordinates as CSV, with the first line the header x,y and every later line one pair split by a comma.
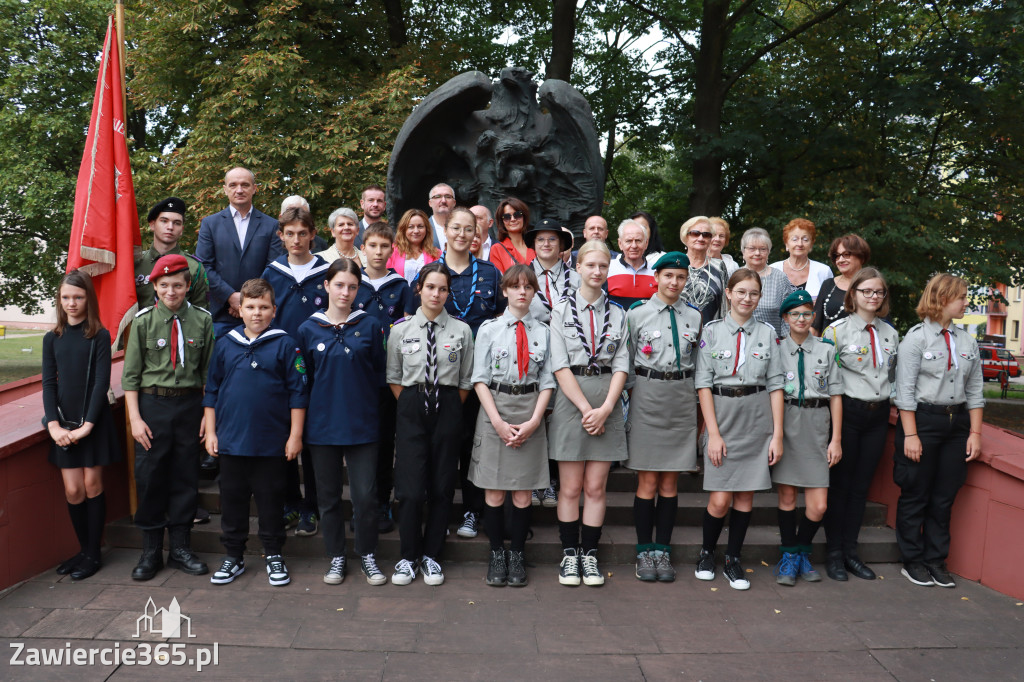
x,y
296,301
229,265
475,295
346,371
388,303
253,386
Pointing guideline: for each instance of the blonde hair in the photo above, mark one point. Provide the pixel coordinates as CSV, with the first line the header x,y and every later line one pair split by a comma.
x,y
719,222
593,245
940,290
695,220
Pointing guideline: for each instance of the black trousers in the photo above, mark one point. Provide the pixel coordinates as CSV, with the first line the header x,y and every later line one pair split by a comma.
x,y
293,493
167,475
241,479
863,440
426,468
472,496
928,488
387,410
362,484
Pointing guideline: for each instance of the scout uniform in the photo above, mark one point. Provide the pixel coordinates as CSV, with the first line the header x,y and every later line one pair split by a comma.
x,y
253,386
433,360
591,340
663,339
497,360
346,367
559,281
867,359
296,299
811,377
741,366
165,360
939,377
199,289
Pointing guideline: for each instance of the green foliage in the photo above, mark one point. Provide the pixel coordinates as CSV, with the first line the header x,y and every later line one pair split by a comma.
x,y
50,49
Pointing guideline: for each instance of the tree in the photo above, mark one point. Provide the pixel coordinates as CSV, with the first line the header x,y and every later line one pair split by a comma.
x,y
47,78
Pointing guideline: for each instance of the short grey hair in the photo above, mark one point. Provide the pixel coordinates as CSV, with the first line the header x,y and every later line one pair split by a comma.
x,y
337,213
294,200
626,223
755,234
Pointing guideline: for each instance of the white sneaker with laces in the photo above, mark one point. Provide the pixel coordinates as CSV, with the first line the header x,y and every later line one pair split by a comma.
x,y
432,574
277,571
468,527
373,574
335,574
588,566
405,572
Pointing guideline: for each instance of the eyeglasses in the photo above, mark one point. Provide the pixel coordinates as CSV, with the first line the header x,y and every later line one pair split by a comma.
x,y
801,316
698,233
461,230
845,255
518,215
797,239
872,293
436,197
757,249
546,240
752,295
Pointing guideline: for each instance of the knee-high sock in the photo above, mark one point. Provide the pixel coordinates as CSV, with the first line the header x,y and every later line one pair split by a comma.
x,y
80,522
787,528
590,536
738,523
712,530
807,531
666,519
494,524
643,519
569,532
520,519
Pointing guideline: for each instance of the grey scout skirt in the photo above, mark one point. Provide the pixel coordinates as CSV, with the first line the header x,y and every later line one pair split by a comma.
x,y
495,466
746,425
662,427
804,462
569,442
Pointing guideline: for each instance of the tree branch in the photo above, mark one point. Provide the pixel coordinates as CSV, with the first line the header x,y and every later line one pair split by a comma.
x,y
666,24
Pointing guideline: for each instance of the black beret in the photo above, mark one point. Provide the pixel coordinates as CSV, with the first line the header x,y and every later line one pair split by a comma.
x,y
170,205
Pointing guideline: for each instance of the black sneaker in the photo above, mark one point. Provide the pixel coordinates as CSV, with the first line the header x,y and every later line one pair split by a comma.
x,y
569,569
916,573
308,524
705,565
277,571
735,574
592,575
497,570
940,576
516,570
229,569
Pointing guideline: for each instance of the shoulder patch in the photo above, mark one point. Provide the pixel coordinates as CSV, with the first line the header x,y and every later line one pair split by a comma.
x,y
712,322
619,306
199,307
828,341
917,326
637,304
143,311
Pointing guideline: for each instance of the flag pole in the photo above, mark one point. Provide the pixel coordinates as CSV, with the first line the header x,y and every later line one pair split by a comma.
x,y
119,25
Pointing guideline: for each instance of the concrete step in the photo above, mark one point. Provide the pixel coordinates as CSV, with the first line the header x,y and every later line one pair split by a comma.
x,y
618,544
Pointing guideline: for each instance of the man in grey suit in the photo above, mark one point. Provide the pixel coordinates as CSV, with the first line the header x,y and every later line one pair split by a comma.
x,y
442,201
235,245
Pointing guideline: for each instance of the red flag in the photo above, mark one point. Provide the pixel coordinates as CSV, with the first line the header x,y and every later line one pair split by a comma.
x,y
105,227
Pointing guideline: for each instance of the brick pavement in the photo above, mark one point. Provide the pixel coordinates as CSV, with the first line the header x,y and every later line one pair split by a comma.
x,y
465,630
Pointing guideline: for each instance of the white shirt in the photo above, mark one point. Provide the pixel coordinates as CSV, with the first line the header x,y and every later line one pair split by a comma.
x,y
413,267
442,241
241,223
300,272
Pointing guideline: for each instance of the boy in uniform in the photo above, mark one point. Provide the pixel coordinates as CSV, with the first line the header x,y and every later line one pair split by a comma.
x,y
165,365
255,408
167,222
386,296
298,281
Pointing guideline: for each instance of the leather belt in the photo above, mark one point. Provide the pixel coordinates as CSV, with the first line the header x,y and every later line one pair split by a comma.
x,y
584,371
665,376
867,404
928,408
169,392
809,402
736,391
513,389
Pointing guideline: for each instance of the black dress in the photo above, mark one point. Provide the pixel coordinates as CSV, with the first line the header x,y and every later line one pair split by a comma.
x,y
65,362
829,306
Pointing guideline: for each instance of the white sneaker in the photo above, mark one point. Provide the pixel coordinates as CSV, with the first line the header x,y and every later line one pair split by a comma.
x,y
335,574
277,571
432,574
468,527
374,576
405,572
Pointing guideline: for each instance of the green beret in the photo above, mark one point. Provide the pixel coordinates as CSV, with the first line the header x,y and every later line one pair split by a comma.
x,y
795,300
673,259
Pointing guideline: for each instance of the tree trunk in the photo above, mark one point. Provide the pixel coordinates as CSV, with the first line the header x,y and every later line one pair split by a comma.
x,y
563,36
397,35
706,194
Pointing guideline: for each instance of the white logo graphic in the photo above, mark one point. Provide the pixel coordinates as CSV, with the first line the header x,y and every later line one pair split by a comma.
x,y
163,622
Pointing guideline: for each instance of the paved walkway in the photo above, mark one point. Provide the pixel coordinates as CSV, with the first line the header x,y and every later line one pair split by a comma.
x,y
464,630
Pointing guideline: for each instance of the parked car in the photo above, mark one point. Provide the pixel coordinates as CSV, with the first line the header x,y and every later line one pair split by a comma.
x,y
995,360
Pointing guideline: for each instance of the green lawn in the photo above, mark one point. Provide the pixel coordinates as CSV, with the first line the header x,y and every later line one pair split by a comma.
x,y
16,363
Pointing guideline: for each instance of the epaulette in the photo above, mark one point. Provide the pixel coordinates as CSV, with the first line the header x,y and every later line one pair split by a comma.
x,y
914,328
716,321
637,304
617,305
694,307
199,307
824,340
144,311
888,323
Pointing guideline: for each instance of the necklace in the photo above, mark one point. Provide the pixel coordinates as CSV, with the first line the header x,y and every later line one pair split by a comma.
x,y
829,316
796,269
354,255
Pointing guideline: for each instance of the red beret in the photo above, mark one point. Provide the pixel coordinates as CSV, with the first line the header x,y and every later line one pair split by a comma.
x,y
168,265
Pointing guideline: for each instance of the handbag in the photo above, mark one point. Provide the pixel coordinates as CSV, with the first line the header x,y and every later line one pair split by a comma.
x,y
64,422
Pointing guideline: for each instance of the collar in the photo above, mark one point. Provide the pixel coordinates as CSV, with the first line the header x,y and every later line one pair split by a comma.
x,y
625,264
392,276
733,326
321,317
236,214
319,265
421,320
790,346
582,304
509,320
858,324
555,271
661,305
238,336
933,328
153,254
165,314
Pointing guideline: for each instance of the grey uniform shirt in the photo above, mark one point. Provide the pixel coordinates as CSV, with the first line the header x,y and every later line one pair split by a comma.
x,y
922,375
495,356
407,351
822,376
864,379
759,363
566,347
560,281
650,334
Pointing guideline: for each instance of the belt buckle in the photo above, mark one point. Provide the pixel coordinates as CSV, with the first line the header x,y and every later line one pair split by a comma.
x,y
670,376
588,372
516,389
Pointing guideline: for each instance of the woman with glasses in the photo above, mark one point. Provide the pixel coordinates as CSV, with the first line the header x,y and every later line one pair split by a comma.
x,y
850,253
739,381
720,230
705,288
756,245
413,246
866,354
800,270
513,218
